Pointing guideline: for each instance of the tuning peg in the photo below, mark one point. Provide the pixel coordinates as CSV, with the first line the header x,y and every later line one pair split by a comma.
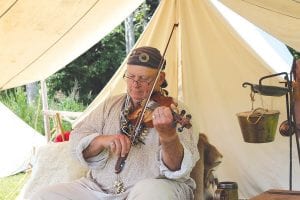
x,y
180,129
182,113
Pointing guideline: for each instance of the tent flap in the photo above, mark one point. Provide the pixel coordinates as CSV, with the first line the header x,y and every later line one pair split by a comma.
x,y
280,18
33,47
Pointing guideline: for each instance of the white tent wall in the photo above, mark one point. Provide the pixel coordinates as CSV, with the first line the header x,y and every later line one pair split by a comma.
x,y
207,62
271,50
17,144
280,18
37,38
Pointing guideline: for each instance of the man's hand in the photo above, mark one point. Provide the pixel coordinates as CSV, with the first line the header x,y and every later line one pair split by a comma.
x,y
118,144
163,122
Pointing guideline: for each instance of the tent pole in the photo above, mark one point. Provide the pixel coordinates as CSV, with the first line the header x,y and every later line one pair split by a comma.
x,y
45,107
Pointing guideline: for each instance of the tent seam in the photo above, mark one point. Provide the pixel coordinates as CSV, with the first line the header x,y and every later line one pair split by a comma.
x,y
272,10
9,8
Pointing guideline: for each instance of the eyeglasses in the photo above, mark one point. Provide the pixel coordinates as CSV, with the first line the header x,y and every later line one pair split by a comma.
x,y
140,81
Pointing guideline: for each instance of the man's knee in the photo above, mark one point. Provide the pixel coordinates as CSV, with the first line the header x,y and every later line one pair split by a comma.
x,y
41,194
57,192
160,189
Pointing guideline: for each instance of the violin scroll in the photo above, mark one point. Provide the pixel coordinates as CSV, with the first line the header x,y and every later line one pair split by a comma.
x,y
184,121
181,118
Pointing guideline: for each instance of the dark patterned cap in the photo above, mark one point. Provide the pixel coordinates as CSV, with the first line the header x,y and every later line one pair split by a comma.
x,y
146,56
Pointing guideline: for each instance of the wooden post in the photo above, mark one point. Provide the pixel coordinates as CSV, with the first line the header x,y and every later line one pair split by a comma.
x,y
45,107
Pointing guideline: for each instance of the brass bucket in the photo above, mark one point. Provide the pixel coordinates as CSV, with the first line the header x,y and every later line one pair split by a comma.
x,y
258,125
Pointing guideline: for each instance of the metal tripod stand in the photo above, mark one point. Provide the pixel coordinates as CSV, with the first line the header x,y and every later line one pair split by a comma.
x,y
288,92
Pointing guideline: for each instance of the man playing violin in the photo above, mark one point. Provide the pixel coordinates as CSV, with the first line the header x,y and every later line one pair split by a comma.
x,y
157,160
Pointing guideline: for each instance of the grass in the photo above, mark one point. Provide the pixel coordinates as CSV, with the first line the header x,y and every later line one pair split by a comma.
x,y
10,186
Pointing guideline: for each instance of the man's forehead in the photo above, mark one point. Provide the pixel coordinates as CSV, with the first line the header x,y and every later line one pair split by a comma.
x,y
141,70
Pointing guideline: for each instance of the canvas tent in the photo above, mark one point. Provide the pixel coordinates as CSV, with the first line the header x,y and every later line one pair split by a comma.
x,y
207,63
18,143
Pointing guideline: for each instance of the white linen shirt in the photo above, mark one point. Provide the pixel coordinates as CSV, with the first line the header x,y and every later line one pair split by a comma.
x,y
143,161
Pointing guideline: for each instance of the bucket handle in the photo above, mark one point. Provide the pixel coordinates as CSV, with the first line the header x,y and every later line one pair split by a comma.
x,y
260,116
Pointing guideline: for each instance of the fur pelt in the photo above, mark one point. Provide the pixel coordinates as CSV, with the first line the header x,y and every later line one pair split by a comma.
x,y
203,172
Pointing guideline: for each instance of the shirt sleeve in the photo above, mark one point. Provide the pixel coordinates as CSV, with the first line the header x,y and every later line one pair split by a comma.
x,y
185,169
94,162
83,134
189,141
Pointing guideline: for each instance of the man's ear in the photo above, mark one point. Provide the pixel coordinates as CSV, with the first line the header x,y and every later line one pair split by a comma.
x,y
162,77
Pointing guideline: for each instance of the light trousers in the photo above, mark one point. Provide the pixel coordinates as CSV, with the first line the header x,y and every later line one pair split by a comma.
x,y
148,189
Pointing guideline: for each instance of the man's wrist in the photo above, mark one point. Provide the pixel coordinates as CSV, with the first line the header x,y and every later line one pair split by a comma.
x,y
169,139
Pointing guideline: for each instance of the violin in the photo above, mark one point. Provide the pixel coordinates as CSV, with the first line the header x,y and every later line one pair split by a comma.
x,y
157,99
145,111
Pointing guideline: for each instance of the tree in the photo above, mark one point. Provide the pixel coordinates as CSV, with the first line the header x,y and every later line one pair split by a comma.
x,y
294,53
129,33
32,91
93,69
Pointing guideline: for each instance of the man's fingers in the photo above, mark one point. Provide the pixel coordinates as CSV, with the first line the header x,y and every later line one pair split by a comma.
x,y
118,147
112,146
162,116
124,147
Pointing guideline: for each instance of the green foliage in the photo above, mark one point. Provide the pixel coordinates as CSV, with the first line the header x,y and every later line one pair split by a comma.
x,y
93,69
67,103
16,100
294,53
140,19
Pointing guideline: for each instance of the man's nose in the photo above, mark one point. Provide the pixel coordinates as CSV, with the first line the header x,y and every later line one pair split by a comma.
x,y
136,82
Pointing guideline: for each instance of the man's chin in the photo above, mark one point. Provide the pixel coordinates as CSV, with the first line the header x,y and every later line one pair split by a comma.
x,y
136,98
